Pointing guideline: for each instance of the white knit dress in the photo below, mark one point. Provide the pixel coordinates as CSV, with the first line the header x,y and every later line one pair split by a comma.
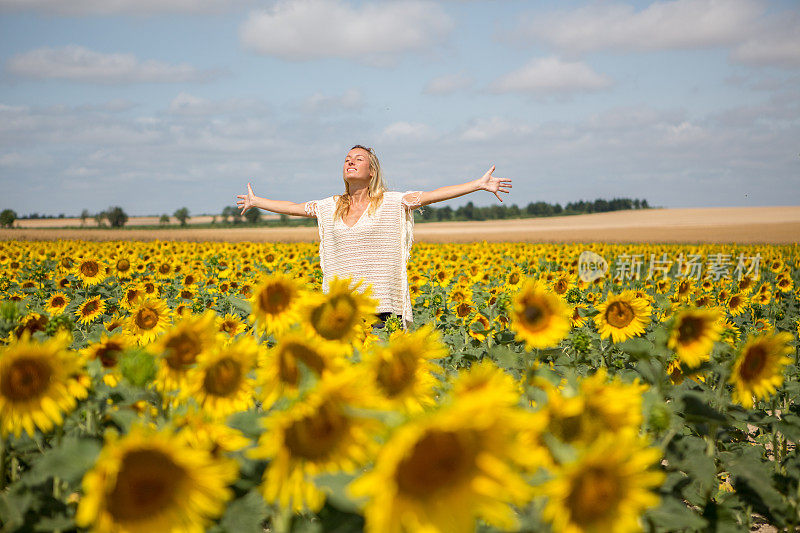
x,y
375,249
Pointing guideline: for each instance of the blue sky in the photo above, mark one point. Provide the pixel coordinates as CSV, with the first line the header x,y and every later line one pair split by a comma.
x,y
158,104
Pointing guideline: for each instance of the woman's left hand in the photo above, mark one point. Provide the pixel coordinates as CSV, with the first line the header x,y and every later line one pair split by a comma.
x,y
493,184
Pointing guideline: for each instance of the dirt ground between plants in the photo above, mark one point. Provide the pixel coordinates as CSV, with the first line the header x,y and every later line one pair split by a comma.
x,y
742,225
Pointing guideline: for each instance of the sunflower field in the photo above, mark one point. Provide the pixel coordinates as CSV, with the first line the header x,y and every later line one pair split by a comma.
x,y
177,386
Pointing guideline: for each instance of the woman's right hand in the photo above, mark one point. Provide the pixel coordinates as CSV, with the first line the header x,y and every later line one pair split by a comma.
x,y
246,201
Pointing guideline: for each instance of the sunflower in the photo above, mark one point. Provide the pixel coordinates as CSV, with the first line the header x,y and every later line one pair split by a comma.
x,y
443,470
693,334
131,293
540,318
622,316
179,348
597,405
199,430
486,382
338,315
123,267
149,317
684,289
90,309
577,319
230,325
90,271
151,481
56,303
485,325
606,488
514,278
320,434
736,303
758,370
403,369
282,367
220,383
39,383
562,284
275,304
107,352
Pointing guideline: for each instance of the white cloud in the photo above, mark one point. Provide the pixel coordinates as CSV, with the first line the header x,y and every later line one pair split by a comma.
x,y
350,100
407,131
372,33
492,129
551,75
447,84
78,63
775,42
117,7
679,24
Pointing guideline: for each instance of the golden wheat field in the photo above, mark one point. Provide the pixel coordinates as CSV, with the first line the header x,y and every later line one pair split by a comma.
x,y
773,225
168,381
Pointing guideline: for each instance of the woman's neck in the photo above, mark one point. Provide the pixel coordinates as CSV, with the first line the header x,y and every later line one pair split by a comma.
x,y
359,196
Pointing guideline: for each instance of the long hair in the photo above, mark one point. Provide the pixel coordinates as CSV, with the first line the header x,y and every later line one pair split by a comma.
x,y
376,187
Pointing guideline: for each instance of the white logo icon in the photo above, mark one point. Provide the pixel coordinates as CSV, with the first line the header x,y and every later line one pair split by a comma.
x,y
591,266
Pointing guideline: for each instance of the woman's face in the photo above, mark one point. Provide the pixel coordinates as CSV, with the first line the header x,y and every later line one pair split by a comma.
x,y
356,165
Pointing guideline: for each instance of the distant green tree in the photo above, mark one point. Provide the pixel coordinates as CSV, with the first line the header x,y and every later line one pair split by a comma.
x,y
100,218
116,216
233,213
182,215
84,216
7,218
253,216
164,220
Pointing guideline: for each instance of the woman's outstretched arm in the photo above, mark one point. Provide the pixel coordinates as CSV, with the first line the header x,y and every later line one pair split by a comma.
x,y
486,183
246,201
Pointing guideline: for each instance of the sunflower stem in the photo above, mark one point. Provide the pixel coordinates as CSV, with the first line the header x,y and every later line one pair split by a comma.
x,y
3,461
774,427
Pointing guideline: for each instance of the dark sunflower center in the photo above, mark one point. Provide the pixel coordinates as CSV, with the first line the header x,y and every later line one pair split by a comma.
x,y
439,460
463,310
148,483
182,350
109,354
90,269
146,318
397,373
275,298
513,279
90,307
334,319
619,314
690,329
26,379
58,301
223,378
560,287
317,435
755,359
164,269
593,494
534,314
123,265
734,302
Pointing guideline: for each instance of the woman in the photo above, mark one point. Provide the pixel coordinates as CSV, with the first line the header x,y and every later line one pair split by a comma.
x,y
367,232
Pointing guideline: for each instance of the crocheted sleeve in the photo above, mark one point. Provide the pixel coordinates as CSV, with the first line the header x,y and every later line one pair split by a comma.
x,y
311,208
413,202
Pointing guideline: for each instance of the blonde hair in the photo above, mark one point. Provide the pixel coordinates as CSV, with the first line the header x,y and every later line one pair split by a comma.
x,y
376,186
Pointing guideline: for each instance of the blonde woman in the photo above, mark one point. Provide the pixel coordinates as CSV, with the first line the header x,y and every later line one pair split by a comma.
x,y
367,231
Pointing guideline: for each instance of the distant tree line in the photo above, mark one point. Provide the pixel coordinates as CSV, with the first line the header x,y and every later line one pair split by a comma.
x,y
533,209
116,217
